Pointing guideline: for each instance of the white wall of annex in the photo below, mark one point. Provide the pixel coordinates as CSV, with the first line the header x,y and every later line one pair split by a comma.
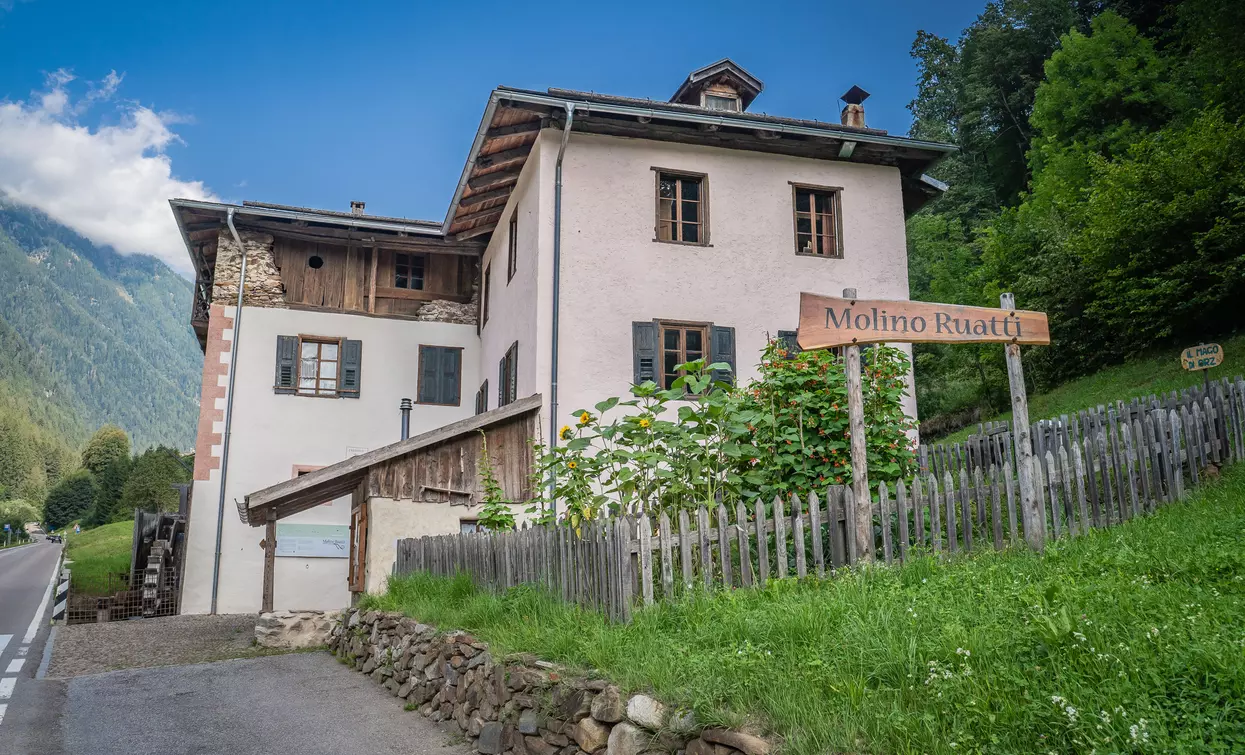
x,y
748,277
272,433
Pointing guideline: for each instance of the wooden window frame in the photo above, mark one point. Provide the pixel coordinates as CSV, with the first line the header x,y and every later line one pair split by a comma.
x,y
706,94
482,398
703,221
836,216
419,383
507,388
336,392
484,294
706,331
409,264
512,248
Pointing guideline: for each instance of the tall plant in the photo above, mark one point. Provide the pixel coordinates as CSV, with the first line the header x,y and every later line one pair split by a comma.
x,y
496,514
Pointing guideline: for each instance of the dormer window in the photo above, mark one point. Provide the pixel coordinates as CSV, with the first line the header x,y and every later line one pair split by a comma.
x,y
720,101
722,86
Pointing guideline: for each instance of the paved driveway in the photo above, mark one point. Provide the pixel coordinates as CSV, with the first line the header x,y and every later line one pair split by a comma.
x,y
305,703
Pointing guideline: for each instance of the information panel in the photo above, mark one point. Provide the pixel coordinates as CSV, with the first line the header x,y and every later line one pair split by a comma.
x,y
313,540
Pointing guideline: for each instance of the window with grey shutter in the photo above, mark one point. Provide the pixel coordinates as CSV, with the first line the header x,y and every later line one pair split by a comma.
x,y
351,368
789,341
502,371
482,398
287,365
723,351
644,351
440,375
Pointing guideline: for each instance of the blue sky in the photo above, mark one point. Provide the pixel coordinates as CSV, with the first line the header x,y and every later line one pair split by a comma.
x,y
318,103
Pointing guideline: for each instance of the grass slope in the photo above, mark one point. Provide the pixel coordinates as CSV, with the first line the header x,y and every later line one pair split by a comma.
x,y
1157,373
98,552
1128,640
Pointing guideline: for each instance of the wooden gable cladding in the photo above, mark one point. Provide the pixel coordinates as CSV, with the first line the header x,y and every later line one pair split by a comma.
x,y
450,472
358,278
506,146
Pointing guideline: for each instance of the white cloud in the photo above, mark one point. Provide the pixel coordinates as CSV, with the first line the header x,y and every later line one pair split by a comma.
x,y
111,183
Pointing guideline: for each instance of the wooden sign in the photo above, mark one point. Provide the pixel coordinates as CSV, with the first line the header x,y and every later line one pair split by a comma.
x,y
826,321
1202,357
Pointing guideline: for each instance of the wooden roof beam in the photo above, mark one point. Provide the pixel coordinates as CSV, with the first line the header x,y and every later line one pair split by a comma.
x,y
485,196
345,238
493,180
527,127
477,231
505,156
477,215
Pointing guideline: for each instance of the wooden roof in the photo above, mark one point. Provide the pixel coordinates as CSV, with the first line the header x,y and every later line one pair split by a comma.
x,y
312,489
495,171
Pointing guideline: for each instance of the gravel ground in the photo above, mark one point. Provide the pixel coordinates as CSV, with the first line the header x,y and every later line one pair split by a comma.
x,y
174,640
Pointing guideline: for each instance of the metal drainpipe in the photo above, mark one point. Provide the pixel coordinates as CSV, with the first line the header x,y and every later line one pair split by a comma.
x,y
233,373
557,279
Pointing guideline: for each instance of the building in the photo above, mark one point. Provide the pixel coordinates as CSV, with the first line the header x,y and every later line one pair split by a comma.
x,y
592,241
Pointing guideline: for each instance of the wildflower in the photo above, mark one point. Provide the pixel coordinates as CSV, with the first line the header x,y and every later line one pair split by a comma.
x,y
571,465
585,418
1071,712
565,432
644,422
1154,631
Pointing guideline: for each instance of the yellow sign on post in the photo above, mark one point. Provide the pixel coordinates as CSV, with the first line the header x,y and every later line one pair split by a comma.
x,y
1202,357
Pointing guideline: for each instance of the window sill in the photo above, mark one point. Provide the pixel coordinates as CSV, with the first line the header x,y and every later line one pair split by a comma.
x,y
819,256
683,243
433,403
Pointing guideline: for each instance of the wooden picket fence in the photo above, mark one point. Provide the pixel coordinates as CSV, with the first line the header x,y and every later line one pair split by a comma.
x,y
1098,469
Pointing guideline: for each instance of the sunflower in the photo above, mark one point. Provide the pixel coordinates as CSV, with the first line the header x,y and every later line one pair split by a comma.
x,y
571,465
585,418
565,432
644,423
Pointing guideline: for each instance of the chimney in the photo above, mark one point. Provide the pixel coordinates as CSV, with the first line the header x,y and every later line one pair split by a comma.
x,y
405,408
854,110
356,207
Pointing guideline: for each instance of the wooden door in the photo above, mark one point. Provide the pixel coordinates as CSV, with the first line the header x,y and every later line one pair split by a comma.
x,y
356,577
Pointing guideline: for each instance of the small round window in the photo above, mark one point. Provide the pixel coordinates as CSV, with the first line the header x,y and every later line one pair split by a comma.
x,y
315,262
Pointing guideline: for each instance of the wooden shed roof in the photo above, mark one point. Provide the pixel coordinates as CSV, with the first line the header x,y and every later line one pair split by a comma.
x,y
311,489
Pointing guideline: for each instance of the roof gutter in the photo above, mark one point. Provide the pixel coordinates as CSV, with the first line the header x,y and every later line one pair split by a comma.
x,y
716,120
310,217
233,374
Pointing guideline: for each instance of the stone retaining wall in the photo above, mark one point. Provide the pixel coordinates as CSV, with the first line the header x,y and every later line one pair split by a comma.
x,y
519,705
295,630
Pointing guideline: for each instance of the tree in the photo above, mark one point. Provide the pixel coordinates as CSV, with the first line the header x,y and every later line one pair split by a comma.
x,y
16,513
69,500
107,445
109,485
150,483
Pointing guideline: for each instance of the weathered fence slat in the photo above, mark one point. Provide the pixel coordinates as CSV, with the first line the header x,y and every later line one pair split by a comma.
x,y
762,532
797,533
780,540
724,547
901,507
745,556
814,525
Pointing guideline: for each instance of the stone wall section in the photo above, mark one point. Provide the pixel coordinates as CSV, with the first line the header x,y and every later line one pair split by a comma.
x,y
519,705
295,630
264,287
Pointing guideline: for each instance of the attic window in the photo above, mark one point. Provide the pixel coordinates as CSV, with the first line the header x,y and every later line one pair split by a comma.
x,y
720,102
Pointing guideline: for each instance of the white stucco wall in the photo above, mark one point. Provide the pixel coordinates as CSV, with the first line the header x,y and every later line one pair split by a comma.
x,y
614,273
272,433
514,312
390,520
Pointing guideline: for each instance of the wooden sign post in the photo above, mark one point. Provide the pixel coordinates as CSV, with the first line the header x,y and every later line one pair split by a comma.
x,y
826,322
859,448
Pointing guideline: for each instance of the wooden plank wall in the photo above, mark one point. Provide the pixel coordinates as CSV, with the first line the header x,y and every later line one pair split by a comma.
x,y
344,281
1124,466
449,472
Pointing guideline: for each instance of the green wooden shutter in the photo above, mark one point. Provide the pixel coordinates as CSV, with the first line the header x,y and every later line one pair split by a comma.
x,y
790,342
351,369
501,382
724,351
644,351
286,380
451,377
429,373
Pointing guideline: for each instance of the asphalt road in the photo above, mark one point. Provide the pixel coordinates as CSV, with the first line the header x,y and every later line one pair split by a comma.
x,y
25,597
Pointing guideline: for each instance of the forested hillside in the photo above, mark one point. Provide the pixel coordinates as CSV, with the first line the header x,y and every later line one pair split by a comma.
x,y
87,337
1101,177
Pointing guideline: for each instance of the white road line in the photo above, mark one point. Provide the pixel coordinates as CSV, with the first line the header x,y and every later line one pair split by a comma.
x,y
21,652
2,709
4,641
33,629
15,665
6,687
